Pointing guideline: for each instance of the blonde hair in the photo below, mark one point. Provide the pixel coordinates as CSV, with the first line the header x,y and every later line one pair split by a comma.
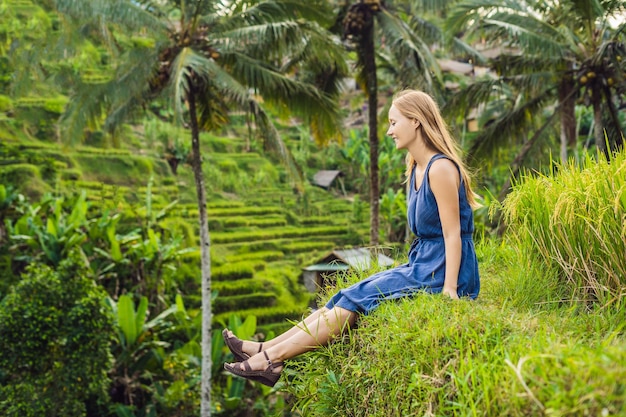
x,y
420,106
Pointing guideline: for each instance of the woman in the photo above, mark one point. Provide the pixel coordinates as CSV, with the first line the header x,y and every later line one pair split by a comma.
x,y
441,259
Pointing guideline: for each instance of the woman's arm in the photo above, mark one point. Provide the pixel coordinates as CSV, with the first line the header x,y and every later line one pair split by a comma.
x,y
444,181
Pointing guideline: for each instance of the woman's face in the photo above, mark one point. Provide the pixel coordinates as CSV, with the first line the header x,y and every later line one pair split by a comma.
x,y
401,128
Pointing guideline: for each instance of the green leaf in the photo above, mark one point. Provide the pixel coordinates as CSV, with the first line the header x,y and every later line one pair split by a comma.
x,y
126,319
51,227
116,253
180,304
79,211
140,318
247,328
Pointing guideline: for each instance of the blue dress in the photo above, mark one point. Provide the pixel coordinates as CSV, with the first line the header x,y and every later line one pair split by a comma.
x,y
425,270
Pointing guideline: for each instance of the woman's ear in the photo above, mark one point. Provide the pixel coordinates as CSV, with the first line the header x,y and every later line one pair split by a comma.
x,y
416,123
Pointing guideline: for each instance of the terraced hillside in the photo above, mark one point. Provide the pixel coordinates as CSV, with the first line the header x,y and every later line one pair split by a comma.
x,y
264,229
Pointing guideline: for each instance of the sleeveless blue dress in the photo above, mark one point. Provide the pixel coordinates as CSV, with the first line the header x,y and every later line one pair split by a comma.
x,y
425,270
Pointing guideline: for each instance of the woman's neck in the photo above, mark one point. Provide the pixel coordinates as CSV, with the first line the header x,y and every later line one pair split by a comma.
x,y
421,153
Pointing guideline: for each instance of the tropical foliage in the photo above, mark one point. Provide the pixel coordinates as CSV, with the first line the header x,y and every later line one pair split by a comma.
x,y
55,332
550,57
207,58
103,310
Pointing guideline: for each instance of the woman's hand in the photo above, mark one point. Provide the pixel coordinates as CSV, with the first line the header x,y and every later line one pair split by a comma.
x,y
450,293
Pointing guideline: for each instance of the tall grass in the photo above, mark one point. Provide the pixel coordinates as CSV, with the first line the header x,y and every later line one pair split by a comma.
x,y
574,223
431,356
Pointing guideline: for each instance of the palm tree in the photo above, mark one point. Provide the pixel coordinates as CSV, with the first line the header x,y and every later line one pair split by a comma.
x,y
377,32
208,57
553,53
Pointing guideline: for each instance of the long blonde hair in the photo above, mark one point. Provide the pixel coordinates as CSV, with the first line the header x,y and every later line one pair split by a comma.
x,y
420,106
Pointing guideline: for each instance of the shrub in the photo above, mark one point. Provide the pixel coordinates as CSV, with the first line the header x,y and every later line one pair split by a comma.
x,y
5,103
225,223
27,178
55,333
230,211
71,174
242,286
236,271
307,246
128,170
19,173
267,255
284,232
243,301
574,223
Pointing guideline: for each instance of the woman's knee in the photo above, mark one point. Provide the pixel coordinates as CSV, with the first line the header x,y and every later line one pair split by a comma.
x,y
343,315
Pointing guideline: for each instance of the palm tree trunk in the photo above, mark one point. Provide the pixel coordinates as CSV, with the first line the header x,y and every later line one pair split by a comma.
x,y
369,63
568,118
205,246
598,132
616,141
516,165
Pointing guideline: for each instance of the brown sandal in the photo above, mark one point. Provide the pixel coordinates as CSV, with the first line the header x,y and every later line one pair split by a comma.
x,y
236,347
267,377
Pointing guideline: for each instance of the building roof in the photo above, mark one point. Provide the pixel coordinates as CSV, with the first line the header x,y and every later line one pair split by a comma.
x,y
325,178
328,267
449,65
357,258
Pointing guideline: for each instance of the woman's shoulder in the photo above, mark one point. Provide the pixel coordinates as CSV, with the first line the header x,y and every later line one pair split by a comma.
x,y
444,172
442,165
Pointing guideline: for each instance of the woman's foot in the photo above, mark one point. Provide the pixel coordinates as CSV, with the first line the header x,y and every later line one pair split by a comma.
x,y
258,368
241,349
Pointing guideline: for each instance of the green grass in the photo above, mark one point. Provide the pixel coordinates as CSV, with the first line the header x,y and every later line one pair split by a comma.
x,y
574,224
502,355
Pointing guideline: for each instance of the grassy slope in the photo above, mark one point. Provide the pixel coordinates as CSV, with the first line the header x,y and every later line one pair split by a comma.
x,y
507,354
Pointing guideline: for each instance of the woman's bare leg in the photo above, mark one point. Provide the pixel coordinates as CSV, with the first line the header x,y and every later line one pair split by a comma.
x,y
252,348
327,325
302,325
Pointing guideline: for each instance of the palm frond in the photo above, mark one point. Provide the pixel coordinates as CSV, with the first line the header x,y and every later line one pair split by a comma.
x,y
465,16
91,102
411,51
536,83
508,126
474,95
459,47
279,88
532,34
525,64
86,108
130,84
245,13
186,63
276,38
128,14
588,10
433,5
120,113
274,142
515,21
195,11
426,30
